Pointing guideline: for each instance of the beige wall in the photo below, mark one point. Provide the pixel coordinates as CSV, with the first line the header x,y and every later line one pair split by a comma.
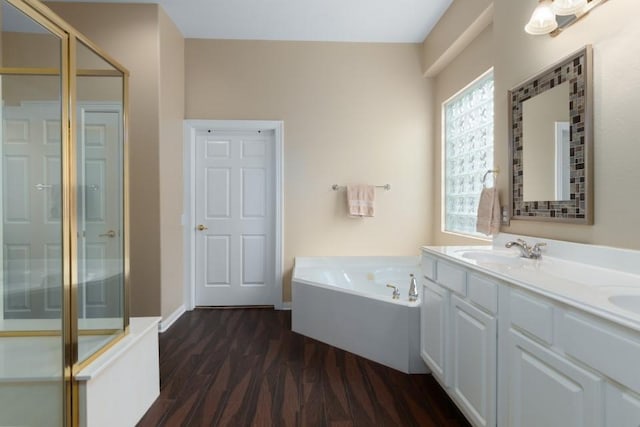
x,y
171,186
613,30
475,60
352,113
132,34
30,50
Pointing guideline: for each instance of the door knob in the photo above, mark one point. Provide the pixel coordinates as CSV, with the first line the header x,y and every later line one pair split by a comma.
x,y
110,234
202,227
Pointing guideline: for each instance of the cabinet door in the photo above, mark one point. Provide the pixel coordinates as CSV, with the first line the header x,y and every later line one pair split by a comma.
x,y
622,407
434,311
547,390
473,368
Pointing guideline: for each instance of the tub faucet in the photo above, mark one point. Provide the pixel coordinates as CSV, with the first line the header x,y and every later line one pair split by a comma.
x,y
526,251
396,291
413,289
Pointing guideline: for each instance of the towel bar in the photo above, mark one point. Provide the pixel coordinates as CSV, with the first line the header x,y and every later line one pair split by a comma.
x,y
336,187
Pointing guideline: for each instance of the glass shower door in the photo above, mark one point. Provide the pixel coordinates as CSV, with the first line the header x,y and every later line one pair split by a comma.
x,y
100,167
32,279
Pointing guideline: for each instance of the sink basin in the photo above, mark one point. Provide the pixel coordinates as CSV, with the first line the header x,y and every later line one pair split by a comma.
x,y
627,302
491,256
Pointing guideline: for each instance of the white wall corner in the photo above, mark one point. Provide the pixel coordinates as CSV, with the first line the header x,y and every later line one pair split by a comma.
x,y
438,57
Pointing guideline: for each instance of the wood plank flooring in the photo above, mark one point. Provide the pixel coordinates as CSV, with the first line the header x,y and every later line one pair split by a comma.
x,y
244,367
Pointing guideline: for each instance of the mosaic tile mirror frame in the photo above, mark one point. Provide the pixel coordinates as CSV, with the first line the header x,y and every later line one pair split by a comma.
x,y
577,70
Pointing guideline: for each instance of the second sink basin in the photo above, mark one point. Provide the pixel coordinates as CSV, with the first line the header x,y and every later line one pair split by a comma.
x,y
627,302
491,256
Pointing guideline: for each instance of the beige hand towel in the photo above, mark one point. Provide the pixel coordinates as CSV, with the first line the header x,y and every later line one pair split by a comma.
x,y
488,221
361,198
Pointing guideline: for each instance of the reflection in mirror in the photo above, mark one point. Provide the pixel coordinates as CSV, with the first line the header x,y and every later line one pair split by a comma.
x,y
550,143
545,145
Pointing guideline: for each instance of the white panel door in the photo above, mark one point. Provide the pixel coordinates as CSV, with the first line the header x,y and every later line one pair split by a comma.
x,y
548,390
474,361
31,203
234,216
434,314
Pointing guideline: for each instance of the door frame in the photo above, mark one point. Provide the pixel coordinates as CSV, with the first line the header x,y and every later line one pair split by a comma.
x,y
191,127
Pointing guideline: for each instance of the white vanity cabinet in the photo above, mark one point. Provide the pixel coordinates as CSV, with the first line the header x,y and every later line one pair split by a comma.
x,y
458,336
548,390
562,367
622,407
473,368
434,314
511,356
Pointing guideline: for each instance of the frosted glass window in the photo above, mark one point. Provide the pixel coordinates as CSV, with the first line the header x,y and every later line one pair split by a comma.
x,y
468,147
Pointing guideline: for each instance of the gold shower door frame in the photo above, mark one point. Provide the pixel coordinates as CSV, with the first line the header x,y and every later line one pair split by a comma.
x,y
69,38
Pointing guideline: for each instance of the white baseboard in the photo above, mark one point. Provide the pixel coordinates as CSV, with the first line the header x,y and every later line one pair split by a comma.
x,y
166,323
286,305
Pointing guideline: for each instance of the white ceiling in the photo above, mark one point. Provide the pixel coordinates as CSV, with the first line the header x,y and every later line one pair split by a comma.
x,y
318,20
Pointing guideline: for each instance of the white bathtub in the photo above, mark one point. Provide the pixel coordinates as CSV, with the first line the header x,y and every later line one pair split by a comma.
x,y
344,302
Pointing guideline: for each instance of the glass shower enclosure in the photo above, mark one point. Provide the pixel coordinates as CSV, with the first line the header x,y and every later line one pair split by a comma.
x,y
64,226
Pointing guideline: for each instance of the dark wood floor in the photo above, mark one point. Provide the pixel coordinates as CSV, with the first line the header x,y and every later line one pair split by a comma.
x,y
245,367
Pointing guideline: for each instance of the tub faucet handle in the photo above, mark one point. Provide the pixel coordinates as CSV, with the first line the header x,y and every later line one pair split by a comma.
x,y
396,291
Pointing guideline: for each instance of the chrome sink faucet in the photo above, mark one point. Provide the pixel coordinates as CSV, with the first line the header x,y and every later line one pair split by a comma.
x,y
526,251
396,291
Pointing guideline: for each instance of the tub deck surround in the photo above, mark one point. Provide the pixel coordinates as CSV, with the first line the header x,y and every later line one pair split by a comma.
x,y
581,276
116,389
360,275
344,302
11,347
119,386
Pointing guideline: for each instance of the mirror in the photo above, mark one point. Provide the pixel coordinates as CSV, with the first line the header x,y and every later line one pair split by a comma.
x,y
550,143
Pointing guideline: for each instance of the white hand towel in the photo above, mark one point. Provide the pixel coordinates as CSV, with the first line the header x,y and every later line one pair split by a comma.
x,y
488,221
361,199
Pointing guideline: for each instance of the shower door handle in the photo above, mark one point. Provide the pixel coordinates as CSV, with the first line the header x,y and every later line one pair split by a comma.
x,y
110,234
41,187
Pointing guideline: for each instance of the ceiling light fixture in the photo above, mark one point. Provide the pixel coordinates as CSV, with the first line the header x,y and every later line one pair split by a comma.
x,y
568,7
544,19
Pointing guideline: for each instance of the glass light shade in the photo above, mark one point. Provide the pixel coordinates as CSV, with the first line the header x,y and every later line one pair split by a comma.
x,y
543,20
568,7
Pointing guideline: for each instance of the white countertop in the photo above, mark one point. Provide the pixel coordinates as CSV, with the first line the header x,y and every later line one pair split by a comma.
x,y
584,286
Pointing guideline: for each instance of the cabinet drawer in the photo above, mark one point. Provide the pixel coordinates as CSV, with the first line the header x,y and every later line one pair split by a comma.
x,y
483,292
428,266
452,278
613,352
531,315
